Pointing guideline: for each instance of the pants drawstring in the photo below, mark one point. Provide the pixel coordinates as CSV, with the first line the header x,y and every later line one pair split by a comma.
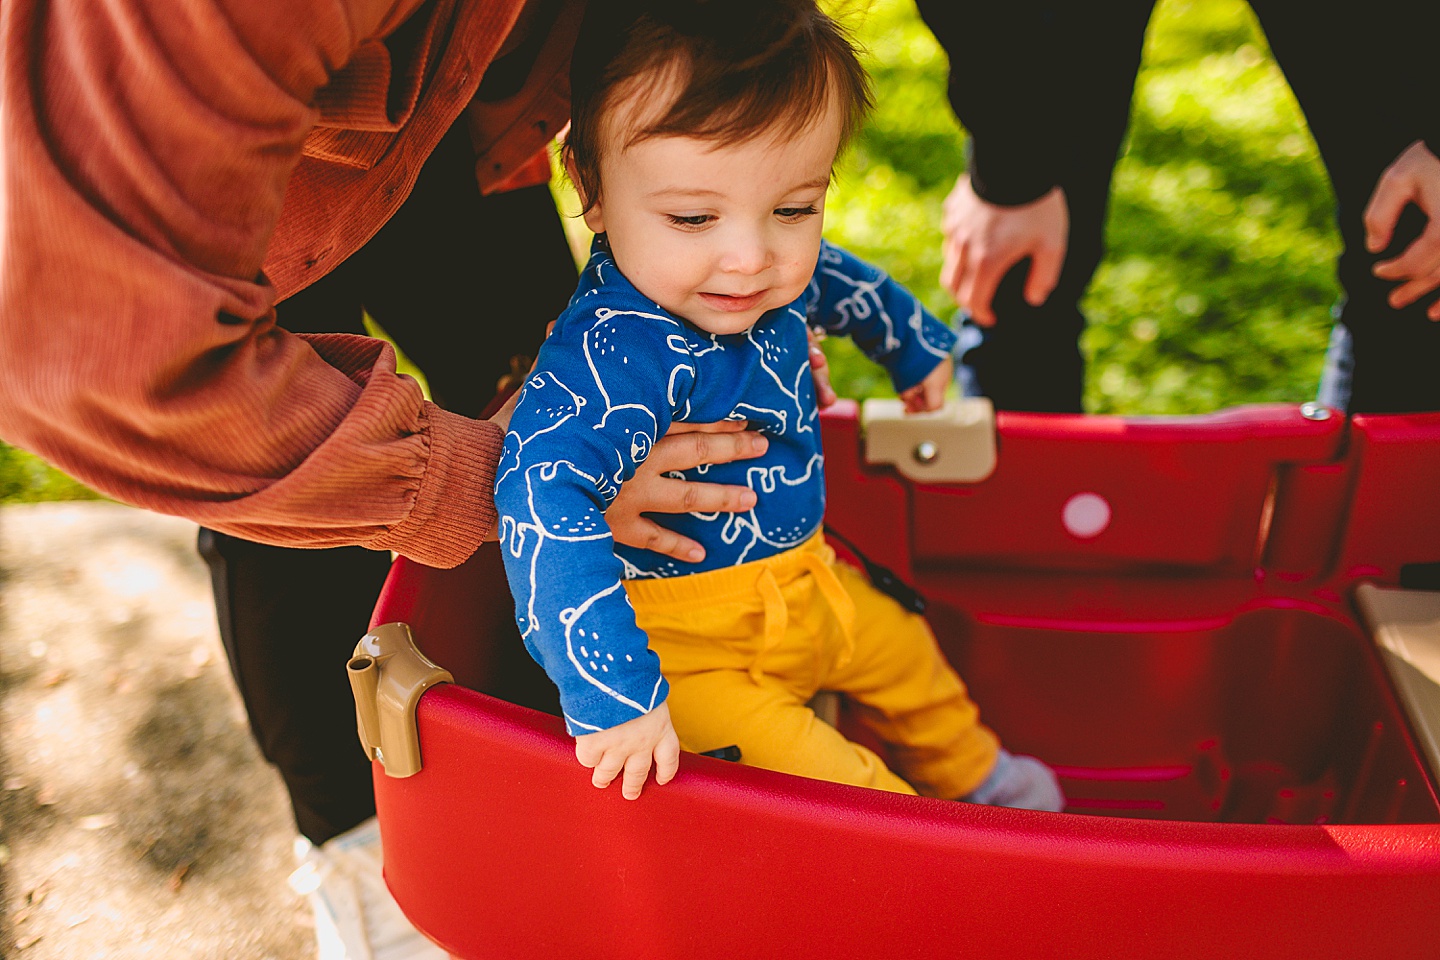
x,y
777,618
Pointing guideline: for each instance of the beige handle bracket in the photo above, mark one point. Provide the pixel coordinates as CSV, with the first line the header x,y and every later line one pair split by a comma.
x,y
955,444
388,674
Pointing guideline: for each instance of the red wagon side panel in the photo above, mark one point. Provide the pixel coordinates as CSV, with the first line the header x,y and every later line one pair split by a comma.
x,y
1185,494
500,850
1243,782
1396,513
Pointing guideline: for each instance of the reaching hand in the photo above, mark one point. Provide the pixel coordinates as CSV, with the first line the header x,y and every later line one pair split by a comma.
x,y
501,417
983,241
1414,177
929,394
628,748
685,447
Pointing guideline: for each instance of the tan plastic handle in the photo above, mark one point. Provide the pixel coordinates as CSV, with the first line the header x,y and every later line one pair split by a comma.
x,y
388,675
955,444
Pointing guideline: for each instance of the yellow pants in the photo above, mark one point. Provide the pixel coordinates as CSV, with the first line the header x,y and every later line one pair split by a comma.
x,y
745,648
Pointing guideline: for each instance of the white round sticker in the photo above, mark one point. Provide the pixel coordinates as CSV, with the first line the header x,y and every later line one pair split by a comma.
x,y
1086,515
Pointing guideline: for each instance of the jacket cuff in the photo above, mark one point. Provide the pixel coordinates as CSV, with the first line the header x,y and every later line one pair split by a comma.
x,y
454,510
1010,176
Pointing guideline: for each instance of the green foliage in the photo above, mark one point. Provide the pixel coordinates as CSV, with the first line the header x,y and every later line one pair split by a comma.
x,y
889,186
1219,279
25,478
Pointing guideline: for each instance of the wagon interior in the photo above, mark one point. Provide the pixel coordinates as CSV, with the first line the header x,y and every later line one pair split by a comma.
x,y
1278,716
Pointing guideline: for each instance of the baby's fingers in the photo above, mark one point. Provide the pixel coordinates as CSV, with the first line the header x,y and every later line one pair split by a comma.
x,y
605,774
914,399
637,768
667,758
924,397
606,769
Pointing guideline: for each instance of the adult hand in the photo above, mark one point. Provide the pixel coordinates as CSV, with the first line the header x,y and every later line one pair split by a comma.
x,y
820,369
983,241
628,749
501,417
684,447
1414,177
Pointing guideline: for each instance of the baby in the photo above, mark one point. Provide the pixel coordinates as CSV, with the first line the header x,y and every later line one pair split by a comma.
x,y
702,144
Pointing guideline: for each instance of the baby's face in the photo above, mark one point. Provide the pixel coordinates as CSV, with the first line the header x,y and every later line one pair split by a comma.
x,y
718,234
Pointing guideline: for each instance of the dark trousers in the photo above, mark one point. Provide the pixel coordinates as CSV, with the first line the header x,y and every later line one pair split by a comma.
x,y
1366,83
463,283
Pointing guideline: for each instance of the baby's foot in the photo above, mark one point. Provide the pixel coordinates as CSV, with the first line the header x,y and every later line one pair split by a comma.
x,y
1022,782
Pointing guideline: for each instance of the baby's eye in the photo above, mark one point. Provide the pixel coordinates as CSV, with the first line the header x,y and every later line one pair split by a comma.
x,y
795,214
697,220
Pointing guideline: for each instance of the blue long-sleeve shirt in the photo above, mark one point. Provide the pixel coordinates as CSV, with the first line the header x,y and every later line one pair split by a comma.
x,y
614,374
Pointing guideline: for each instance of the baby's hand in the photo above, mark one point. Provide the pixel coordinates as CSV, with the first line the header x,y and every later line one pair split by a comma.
x,y
629,747
929,394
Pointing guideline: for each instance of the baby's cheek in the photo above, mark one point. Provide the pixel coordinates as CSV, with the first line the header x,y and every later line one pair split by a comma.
x,y
795,279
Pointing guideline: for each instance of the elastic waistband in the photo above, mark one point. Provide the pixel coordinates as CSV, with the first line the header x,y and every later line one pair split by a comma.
x,y
730,582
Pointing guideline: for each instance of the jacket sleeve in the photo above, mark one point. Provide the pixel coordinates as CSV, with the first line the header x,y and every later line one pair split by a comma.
x,y
886,321
1030,77
145,163
604,390
1002,89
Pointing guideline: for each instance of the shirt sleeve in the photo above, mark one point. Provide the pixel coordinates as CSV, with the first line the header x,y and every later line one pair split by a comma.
x,y
146,158
604,390
886,321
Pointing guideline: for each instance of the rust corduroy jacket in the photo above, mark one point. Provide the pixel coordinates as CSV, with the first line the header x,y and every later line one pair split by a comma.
x,y
170,170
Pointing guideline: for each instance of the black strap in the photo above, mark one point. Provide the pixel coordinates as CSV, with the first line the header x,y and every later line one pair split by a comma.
x,y
884,579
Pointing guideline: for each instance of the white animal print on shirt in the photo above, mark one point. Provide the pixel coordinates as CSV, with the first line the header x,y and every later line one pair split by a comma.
x,y
612,377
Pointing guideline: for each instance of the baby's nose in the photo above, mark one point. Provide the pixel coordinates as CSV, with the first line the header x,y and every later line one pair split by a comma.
x,y
747,255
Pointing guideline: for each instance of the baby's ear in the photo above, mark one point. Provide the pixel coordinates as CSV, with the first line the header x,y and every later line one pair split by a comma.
x,y
592,215
594,219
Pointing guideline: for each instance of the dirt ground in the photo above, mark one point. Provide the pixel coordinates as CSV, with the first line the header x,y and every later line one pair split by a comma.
x,y
137,819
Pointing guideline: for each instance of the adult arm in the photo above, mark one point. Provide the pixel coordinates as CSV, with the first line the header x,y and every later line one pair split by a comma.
x,y
1009,86
145,164
1010,83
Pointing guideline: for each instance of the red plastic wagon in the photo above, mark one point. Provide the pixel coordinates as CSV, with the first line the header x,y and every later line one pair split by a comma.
x,y
1199,621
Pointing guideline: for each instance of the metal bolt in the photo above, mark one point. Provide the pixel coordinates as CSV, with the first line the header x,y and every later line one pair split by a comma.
x,y
1315,411
926,452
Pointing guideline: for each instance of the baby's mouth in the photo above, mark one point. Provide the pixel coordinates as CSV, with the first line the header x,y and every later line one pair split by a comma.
x,y
731,302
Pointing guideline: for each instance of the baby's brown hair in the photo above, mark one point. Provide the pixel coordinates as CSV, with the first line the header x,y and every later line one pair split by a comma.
x,y
743,67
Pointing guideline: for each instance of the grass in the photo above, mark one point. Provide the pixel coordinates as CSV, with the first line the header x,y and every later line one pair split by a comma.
x,y
1219,279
